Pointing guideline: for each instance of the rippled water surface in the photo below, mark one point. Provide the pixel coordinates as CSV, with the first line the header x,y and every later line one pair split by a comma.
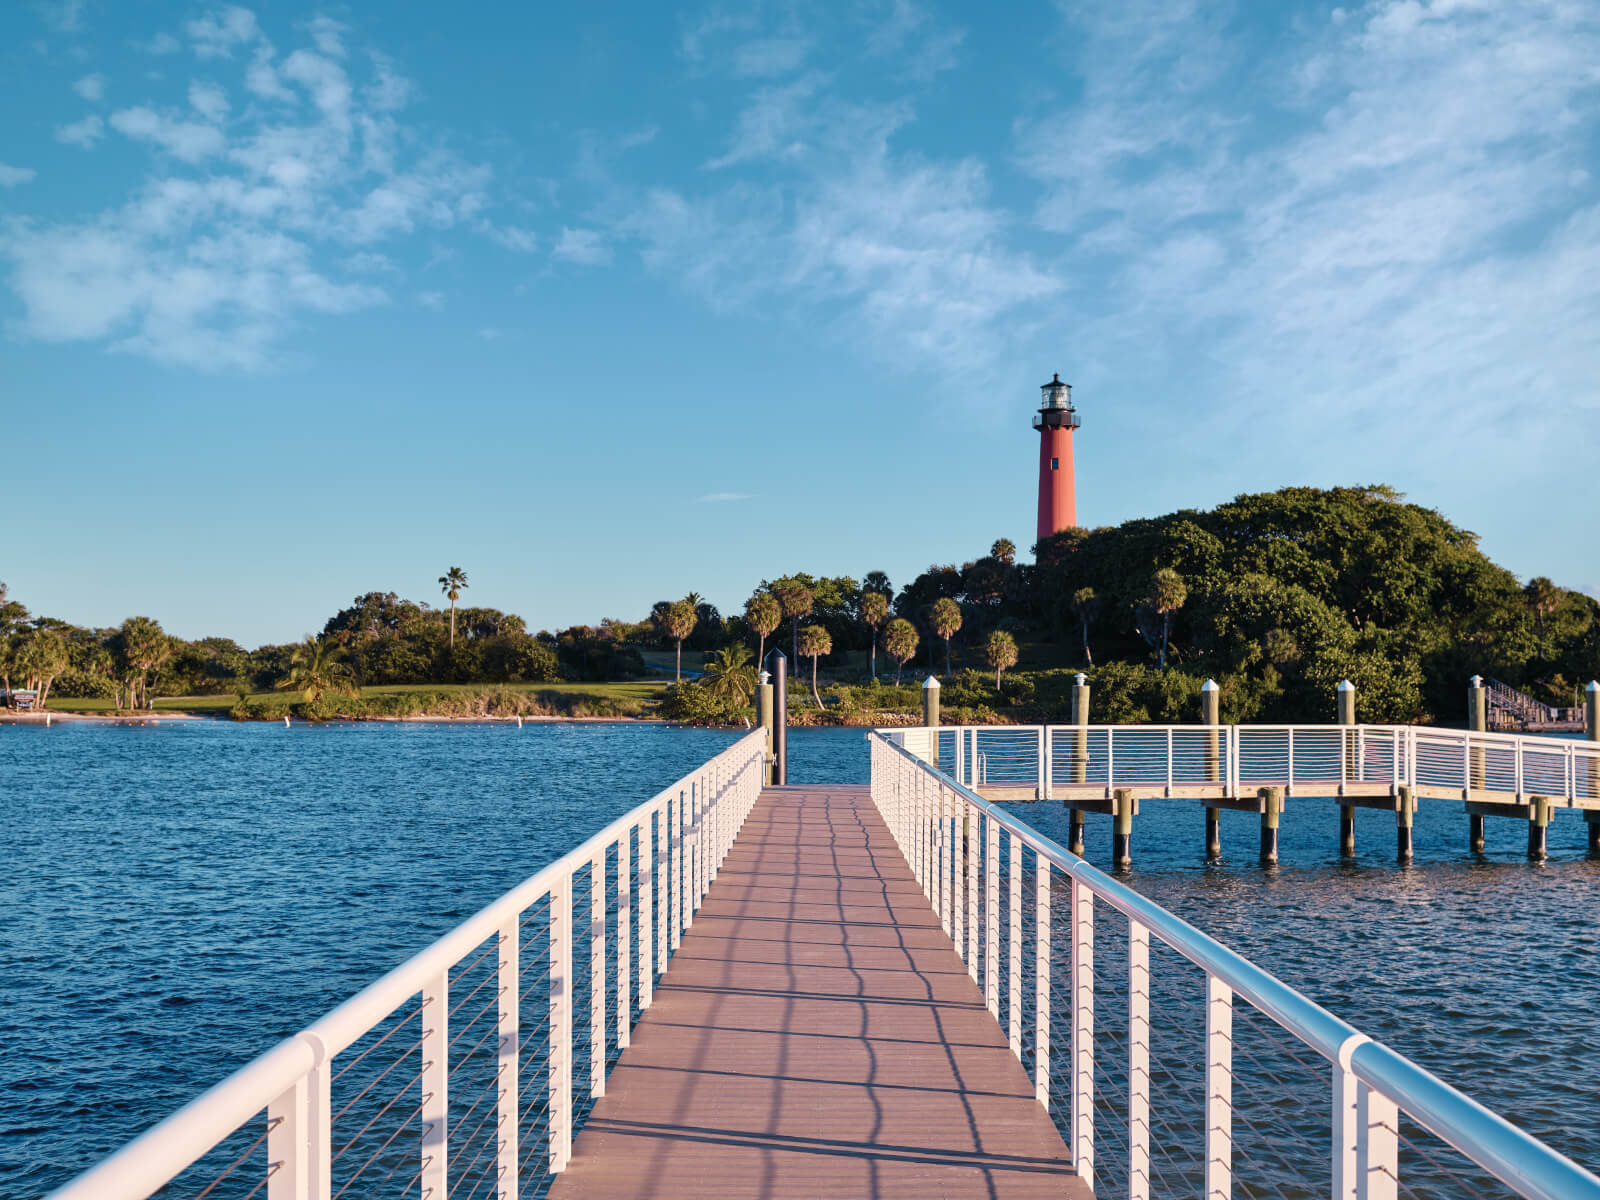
x,y
178,897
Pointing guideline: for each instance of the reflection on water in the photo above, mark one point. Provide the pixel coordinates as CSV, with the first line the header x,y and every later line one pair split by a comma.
x,y
178,897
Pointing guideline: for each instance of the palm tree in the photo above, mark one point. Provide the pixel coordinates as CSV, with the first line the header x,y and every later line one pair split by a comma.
x,y
900,640
1087,606
1544,597
1001,651
1168,593
1004,551
874,612
729,675
141,646
762,613
947,620
815,641
318,665
40,659
877,581
796,599
679,620
452,583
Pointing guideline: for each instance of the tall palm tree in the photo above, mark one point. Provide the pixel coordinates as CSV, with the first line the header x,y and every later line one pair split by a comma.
x,y
1087,606
1544,597
317,666
947,620
452,583
900,639
762,613
729,674
796,599
874,612
141,646
1001,651
815,641
1168,592
1004,551
679,621
877,581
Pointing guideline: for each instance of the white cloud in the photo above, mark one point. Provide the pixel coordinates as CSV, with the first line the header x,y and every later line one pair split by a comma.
x,y
91,87
189,141
162,43
83,133
771,56
512,237
491,334
62,16
209,100
11,176
218,33
585,246
724,497
248,220
433,300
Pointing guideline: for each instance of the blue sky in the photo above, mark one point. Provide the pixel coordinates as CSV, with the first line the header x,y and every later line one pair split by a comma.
x,y
606,306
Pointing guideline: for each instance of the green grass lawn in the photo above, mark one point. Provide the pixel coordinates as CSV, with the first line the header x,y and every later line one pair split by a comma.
x,y
644,690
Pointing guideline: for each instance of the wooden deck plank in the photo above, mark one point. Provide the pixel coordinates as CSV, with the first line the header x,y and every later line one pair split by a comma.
x,y
817,1035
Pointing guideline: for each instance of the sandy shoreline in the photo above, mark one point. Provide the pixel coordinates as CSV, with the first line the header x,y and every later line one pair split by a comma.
x,y
174,715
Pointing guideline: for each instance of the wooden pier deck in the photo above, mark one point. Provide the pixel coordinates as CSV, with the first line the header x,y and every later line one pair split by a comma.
x,y
817,1035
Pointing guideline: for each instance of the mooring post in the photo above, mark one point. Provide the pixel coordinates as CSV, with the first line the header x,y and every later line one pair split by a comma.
x,y
930,715
1080,739
1538,828
1347,814
1478,722
764,714
1075,832
1271,807
1211,714
778,664
1404,813
1591,730
1122,835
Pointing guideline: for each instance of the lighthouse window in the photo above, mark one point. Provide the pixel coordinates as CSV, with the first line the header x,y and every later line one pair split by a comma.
x,y
1055,464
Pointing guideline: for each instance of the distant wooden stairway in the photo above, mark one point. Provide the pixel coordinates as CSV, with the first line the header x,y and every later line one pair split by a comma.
x,y
1510,709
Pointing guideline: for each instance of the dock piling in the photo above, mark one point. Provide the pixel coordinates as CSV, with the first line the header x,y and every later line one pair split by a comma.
x,y
1075,832
1477,721
778,664
1271,809
1122,836
1538,828
1347,813
1213,834
764,715
1080,739
1404,813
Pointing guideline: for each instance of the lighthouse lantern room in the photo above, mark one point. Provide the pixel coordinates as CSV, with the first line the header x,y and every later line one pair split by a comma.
x,y
1055,421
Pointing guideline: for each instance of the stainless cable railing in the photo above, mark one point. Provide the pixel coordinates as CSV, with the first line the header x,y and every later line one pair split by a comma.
x,y
1323,760
1213,1077
465,1071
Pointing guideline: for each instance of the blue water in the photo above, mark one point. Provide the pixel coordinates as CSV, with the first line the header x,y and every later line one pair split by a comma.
x,y
179,897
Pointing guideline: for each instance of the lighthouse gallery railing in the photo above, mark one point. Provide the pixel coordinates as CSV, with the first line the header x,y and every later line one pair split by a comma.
x,y
1022,913
453,1075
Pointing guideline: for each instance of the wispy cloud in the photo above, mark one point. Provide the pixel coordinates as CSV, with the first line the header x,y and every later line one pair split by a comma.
x,y
91,87
724,497
62,16
584,246
254,216
12,176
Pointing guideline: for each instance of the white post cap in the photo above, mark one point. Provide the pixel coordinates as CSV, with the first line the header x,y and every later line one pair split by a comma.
x,y
1209,685
1476,681
930,682
1346,686
766,678
1593,687
1082,679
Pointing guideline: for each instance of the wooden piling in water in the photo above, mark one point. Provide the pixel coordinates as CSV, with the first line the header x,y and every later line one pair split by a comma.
x,y
1347,813
1075,832
1539,828
1271,809
1211,714
1122,833
1404,813
1478,721
1080,739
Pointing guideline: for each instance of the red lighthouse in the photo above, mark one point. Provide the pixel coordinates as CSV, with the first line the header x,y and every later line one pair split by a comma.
x,y
1058,506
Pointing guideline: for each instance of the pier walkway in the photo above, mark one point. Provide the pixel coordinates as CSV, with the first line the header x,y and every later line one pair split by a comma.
x,y
817,1035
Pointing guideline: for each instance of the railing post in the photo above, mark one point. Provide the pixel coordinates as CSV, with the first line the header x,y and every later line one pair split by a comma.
x,y
1042,791
435,1086
941,887
289,1150
974,849
663,883
597,974
1138,1061
1083,1032
1219,1089
1377,1145
560,1064
991,977
1041,981
647,917
679,891
1047,740
624,939
1346,1139
1014,992
506,1053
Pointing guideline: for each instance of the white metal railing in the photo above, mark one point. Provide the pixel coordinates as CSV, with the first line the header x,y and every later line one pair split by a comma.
x,y
1237,1105
453,1074
1309,759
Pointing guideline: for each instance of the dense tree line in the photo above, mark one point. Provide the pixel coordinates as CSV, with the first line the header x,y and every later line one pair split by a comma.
x,y
1278,596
